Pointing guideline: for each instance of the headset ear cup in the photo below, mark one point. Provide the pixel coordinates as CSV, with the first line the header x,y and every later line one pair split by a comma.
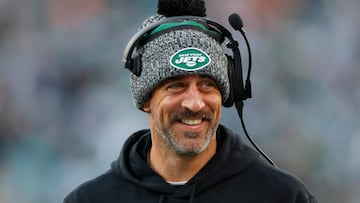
x,y
136,65
230,101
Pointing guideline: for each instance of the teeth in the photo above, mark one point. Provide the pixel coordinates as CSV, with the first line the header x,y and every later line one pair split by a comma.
x,y
191,122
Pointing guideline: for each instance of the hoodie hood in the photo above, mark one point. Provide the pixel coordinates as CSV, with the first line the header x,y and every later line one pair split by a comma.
x,y
232,157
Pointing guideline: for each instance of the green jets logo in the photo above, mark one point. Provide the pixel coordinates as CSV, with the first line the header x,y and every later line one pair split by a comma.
x,y
190,59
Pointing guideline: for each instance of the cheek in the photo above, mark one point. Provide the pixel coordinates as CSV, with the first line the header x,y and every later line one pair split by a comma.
x,y
168,103
216,101
162,108
218,106
218,111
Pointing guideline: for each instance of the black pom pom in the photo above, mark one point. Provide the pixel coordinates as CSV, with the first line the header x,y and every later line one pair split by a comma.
x,y
170,8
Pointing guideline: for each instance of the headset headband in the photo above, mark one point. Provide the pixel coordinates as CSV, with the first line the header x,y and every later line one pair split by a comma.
x,y
139,36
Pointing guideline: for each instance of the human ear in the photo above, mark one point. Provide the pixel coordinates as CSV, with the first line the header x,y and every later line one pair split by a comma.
x,y
146,106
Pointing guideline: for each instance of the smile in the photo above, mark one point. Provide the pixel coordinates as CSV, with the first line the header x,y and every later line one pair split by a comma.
x,y
191,121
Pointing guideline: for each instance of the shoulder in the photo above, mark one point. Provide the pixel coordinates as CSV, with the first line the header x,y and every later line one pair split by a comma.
x,y
281,182
256,176
95,190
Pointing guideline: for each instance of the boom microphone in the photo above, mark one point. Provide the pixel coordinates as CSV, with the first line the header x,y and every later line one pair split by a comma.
x,y
236,22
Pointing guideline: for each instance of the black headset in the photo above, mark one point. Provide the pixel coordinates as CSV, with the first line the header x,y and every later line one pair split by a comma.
x,y
238,90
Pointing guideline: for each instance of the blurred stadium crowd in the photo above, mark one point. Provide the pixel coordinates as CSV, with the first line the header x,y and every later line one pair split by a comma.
x,y
66,107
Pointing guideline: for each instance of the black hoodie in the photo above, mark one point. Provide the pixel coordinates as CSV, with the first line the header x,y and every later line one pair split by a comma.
x,y
235,174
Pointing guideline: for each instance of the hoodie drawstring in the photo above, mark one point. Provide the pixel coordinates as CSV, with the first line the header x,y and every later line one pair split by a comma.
x,y
162,197
192,194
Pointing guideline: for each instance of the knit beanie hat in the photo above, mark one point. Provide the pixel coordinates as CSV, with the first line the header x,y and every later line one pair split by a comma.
x,y
178,52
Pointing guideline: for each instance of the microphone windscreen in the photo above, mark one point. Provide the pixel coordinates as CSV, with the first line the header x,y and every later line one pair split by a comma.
x,y
235,21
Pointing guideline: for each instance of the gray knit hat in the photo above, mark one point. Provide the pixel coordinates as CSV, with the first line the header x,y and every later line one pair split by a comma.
x,y
178,52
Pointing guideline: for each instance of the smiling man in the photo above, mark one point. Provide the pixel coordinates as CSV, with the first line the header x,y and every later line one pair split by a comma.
x,y
180,79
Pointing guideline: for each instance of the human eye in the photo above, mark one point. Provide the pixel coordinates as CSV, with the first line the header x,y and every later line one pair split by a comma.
x,y
208,84
175,86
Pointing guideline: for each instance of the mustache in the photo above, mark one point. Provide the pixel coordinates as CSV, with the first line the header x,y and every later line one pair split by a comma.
x,y
186,114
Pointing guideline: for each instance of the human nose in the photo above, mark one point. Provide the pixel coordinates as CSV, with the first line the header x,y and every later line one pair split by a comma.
x,y
193,99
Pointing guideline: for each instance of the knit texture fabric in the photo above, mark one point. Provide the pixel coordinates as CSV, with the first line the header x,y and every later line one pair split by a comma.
x,y
156,66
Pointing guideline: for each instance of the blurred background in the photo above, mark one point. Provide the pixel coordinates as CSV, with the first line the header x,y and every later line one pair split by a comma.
x,y
66,107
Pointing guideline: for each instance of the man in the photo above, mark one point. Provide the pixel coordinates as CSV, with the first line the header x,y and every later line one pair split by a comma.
x,y
187,155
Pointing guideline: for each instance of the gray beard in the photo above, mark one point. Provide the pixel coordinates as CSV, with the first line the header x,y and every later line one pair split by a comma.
x,y
170,141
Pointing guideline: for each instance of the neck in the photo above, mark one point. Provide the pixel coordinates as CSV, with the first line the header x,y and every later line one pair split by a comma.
x,y
174,167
